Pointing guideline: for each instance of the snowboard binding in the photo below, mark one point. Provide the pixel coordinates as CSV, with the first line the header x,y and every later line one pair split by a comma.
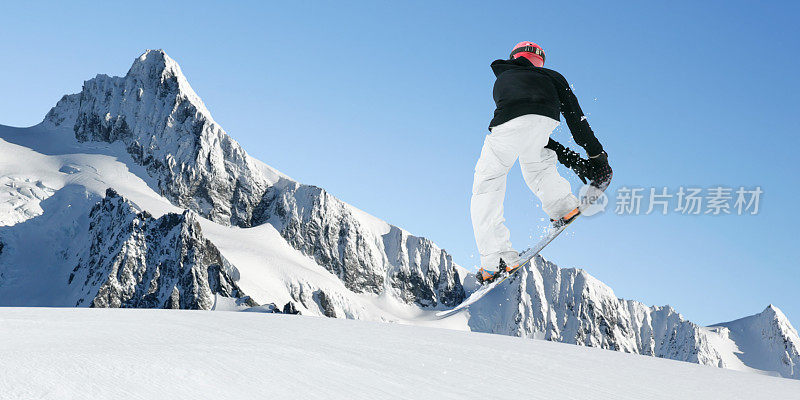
x,y
567,219
483,276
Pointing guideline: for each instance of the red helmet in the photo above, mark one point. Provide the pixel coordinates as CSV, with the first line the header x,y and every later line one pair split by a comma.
x,y
532,51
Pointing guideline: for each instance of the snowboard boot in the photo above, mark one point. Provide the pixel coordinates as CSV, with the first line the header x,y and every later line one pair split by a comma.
x,y
566,219
485,276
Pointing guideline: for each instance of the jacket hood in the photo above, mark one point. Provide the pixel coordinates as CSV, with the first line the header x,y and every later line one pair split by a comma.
x,y
500,66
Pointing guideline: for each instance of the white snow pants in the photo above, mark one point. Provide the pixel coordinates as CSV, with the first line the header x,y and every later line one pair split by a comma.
x,y
524,138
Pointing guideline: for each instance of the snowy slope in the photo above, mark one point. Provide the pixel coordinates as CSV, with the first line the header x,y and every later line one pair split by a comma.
x,y
126,354
254,236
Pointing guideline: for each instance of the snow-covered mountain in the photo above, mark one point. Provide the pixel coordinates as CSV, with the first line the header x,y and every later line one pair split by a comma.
x,y
191,161
192,221
766,341
569,305
167,129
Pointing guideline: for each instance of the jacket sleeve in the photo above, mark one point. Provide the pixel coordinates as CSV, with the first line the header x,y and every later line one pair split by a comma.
x,y
577,122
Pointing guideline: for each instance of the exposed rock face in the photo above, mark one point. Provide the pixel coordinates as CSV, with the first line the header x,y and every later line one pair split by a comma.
x,y
325,304
135,260
290,308
65,113
329,230
194,163
569,305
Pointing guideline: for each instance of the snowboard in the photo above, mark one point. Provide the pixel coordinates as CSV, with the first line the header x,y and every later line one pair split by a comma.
x,y
527,256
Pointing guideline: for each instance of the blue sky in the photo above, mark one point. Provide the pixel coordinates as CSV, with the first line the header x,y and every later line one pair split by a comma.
x,y
385,104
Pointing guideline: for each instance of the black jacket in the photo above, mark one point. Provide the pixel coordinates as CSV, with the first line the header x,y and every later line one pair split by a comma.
x,y
521,89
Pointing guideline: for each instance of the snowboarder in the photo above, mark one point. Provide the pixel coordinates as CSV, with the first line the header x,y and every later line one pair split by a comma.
x,y
529,99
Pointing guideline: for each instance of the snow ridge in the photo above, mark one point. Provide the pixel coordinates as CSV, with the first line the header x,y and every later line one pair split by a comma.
x,y
136,261
412,268
767,341
568,305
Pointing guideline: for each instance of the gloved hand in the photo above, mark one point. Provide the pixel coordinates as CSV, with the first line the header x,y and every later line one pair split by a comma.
x,y
571,159
600,172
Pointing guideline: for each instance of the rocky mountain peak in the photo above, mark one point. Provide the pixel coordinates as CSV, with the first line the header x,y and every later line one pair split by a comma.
x,y
774,317
166,128
775,313
767,341
154,70
154,63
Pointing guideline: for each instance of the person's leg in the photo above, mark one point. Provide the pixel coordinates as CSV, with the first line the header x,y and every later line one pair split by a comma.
x,y
500,151
539,170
